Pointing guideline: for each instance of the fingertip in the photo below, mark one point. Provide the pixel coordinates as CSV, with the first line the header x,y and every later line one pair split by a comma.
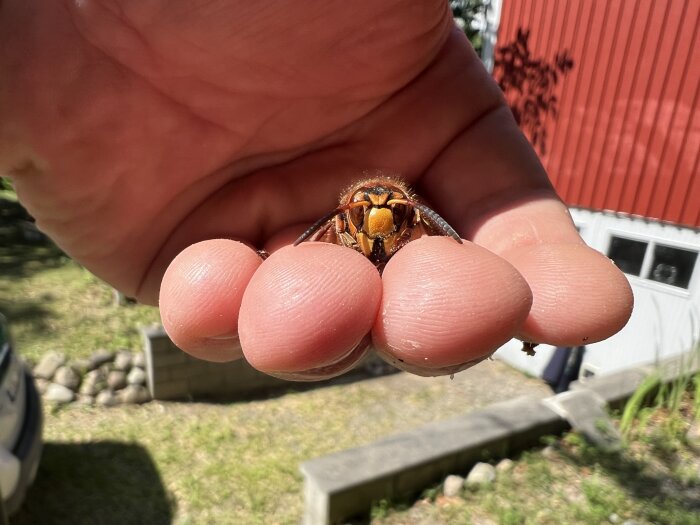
x,y
580,296
447,304
308,309
201,294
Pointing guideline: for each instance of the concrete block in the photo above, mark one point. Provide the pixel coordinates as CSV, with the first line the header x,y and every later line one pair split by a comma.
x,y
167,359
185,370
586,412
171,390
346,483
615,388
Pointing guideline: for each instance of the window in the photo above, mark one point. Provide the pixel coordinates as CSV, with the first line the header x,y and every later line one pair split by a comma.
x,y
652,261
672,266
627,254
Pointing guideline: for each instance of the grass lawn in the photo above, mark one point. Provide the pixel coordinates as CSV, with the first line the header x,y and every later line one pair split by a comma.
x,y
233,463
52,303
655,479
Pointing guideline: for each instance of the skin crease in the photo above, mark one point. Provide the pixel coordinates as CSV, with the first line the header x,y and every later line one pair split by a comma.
x,y
142,135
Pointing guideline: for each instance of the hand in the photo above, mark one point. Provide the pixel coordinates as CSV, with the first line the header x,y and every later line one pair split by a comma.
x,y
138,133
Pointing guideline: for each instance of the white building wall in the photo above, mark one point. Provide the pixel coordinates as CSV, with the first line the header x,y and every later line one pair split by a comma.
x,y
666,318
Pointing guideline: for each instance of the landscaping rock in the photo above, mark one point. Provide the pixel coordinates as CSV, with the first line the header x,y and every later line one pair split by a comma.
x,y
452,486
106,398
481,474
86,400
135,394
136,377
82,366
42,384
93,383
549,452
122,361
91,388
139,360
48,365
68,377
692,437
116,380
505,465
100,357
59,394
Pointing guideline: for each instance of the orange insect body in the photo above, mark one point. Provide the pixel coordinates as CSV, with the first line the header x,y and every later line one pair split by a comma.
x,y
377,217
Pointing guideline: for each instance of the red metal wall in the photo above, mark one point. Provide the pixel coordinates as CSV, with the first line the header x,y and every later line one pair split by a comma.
x,y
625,133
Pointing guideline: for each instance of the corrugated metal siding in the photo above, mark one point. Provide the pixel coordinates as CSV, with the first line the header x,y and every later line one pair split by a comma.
x,y
626,132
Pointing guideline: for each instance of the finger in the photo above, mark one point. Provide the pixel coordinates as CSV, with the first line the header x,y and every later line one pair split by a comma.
x,y
578,295
447,304
307,310
201,294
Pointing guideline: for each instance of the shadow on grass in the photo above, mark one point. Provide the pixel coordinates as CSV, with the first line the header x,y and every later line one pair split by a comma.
x,y
24,249
23,252
643,481
102,482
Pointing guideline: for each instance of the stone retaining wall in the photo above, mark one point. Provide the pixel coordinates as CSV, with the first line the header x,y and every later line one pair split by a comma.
x,y
173,374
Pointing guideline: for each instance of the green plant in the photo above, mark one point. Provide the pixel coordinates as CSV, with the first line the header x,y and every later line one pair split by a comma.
x,y
471,12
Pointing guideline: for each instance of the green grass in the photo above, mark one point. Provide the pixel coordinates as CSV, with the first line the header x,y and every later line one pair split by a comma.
x,y
654,479
54,304
204,463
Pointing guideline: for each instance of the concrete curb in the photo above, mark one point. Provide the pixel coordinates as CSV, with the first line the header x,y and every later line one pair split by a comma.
x,y
345,484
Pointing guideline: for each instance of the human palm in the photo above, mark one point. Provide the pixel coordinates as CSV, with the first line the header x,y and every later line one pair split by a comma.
x,y
142,134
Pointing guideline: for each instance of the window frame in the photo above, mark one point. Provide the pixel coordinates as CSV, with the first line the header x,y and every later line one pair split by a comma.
x,y
652,241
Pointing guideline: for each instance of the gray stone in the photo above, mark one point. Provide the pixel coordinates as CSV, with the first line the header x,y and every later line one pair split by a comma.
x,y
86,400
549,452
48,365
68,377
81,365
505,465
42,384
452,485
692,437
614,518
122,361
91,388
139,360
100,357
137,376
93,382
134,394
106,398
59,394
586,412
116,380
630,522
481,474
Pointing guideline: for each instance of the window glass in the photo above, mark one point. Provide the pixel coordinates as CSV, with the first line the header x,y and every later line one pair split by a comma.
x,y
672,266
627,254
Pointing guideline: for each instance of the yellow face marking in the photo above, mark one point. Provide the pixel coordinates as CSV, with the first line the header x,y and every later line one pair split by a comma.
x,y
379,222
378,199
365,243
